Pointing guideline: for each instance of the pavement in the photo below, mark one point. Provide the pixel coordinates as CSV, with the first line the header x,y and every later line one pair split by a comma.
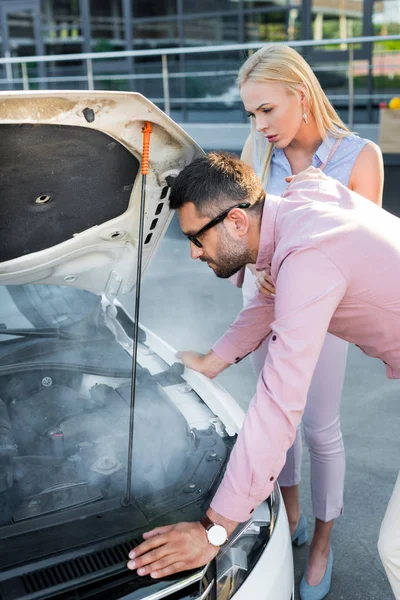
x,y
183,302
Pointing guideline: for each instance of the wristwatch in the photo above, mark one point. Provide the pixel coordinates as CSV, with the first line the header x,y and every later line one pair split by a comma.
x,y
216,534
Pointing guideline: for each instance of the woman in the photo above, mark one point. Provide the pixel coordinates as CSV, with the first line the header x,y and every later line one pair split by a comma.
x,y
293,126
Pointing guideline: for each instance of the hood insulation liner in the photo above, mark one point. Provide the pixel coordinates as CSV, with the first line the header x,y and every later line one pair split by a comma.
x,y
57,181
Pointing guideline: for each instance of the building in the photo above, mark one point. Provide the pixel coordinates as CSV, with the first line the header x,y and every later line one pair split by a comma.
x,y
51,27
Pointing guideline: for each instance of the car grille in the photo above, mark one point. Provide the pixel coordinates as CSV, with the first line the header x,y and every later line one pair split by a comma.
x,y
76,569
103,574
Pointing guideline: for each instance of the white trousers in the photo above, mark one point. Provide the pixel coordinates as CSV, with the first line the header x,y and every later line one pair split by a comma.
x,y
321,423
389,540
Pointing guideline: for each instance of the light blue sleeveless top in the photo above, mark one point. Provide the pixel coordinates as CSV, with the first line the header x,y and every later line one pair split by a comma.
x,y
339,166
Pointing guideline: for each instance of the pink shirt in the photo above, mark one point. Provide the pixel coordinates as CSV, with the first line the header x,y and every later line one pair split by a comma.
x,y
335,262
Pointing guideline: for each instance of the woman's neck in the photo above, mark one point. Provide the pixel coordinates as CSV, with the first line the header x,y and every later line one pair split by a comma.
x,y
307,140
304,145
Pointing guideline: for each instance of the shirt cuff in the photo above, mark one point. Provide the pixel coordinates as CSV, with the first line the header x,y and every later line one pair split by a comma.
x,y
233,507
227,351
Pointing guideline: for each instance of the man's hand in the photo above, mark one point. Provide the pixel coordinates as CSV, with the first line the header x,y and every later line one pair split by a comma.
x,y
171,549
209,364
175,548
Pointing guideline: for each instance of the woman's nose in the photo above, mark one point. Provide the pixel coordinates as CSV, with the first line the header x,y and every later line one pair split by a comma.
x,y
195,251
261,123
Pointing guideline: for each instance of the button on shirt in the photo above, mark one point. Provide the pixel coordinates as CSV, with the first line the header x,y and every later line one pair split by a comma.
x,y
335,260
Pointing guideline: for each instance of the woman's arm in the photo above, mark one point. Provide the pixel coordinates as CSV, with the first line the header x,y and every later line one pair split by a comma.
x,y
367,175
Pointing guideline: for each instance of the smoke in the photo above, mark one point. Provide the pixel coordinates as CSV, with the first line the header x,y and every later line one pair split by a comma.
x,y
64,413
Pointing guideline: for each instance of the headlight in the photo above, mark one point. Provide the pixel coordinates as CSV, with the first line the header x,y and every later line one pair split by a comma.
x,y
237,559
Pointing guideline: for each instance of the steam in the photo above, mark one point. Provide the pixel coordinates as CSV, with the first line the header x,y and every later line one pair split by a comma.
x,y
64,432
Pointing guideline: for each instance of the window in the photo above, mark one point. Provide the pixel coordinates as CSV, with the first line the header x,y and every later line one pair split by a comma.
x,y
215,30
267,27
107,24
61,21
209,6
332,20
386,18
154,8
151,33
265,4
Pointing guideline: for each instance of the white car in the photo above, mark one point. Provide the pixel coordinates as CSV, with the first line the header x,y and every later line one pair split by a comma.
x,y
103,435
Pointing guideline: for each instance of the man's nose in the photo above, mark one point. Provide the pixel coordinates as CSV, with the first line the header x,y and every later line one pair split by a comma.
x,y
195,251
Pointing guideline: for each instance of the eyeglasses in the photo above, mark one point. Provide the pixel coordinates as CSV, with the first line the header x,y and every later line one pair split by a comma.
x,y
213,222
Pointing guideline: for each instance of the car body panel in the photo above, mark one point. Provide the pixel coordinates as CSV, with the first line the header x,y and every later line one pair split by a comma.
x,y
272,576
102,258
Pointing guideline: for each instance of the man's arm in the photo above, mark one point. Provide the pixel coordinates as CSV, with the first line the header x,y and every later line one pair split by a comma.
x,y
308,291
251,327
248,331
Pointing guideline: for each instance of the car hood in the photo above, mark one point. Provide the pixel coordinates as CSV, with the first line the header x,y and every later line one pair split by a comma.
x,y
71,187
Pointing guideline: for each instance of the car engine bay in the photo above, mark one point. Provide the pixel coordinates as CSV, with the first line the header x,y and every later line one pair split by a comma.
x,y
61,448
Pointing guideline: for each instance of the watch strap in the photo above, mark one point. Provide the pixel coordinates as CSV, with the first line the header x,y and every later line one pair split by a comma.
x,y
207,523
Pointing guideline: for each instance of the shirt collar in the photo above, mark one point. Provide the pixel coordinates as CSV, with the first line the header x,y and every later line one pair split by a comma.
x,y
267,232
279,155
322,152
324,149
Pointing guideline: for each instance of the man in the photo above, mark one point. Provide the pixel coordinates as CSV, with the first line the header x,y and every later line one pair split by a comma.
x,y
335,263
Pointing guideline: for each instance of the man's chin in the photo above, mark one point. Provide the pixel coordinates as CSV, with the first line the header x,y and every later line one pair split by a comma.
x,y
223,272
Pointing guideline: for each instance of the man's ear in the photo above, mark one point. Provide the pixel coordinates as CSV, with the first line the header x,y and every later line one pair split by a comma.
x,y
238,221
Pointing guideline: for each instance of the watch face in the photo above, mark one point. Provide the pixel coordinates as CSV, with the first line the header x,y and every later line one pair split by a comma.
x,y
217,535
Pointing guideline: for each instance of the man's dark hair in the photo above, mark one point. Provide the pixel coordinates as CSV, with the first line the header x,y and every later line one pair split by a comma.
x,y
214,182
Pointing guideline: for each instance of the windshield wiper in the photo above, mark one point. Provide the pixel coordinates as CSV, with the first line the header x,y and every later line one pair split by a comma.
x,y
43,332
56,332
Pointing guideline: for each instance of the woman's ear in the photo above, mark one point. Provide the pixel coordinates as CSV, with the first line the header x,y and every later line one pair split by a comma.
x,y
303,95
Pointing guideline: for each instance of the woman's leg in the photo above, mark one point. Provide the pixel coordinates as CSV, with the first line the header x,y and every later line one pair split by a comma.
x,y
289,477
321,423
290,496
389,540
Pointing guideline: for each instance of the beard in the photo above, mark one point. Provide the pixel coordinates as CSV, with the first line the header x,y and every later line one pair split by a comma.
x,y
231,256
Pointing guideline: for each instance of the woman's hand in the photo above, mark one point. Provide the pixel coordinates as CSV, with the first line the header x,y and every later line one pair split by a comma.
x,y
309,173
264,283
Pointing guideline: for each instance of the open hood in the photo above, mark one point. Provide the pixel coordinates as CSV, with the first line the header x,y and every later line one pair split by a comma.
x,y
70,187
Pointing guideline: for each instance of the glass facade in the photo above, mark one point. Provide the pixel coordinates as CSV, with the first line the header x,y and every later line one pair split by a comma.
x,y
386,17
211,30
66,25
196,81
333,20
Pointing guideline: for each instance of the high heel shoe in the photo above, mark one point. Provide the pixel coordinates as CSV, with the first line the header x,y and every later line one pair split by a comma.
x,y
317,592
300,537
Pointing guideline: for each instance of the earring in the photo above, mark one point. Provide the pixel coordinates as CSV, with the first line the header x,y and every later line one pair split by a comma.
x,y
305,117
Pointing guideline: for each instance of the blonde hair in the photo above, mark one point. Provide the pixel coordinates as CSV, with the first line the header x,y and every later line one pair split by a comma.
x,y
283,64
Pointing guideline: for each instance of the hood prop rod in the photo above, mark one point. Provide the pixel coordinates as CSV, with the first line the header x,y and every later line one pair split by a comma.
x,y
146,130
